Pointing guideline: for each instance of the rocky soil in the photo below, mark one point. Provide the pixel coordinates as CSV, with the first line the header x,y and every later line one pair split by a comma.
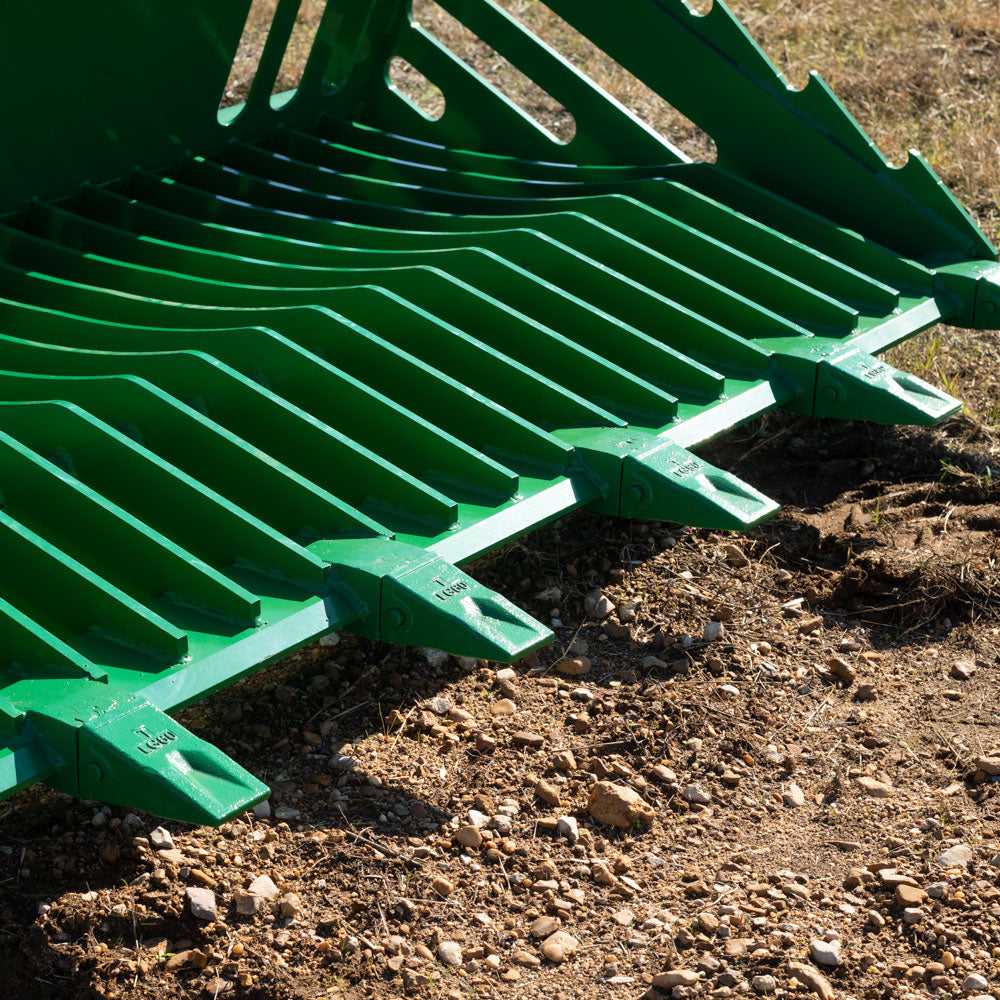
x,y
750,765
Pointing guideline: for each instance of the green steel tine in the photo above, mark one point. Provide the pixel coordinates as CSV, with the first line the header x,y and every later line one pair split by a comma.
x,y
604,383
32,651
263,418
108,540
685,207
657,229
799,223
551,305
327,394
22,766
739,311
555,405
563,228
137,480
186,438
393,145
87,602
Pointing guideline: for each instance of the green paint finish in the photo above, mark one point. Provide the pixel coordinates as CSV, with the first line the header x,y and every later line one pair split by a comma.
x,y
281,370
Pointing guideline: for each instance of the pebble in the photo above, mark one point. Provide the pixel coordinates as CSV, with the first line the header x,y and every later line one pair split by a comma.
x,y
867,692
264,887
870,786
559,946
478,819
962,670
618,805
764,985
248,904
675,977
793,796
695,793
991,765
974,983
262,810
912,915
522,738
598,605
567,826
576,667
713,632
810,977
564,761
506,674
839,667
160,839
469,836
286,813
909,895
543,927
442,886
824,952
958,856
503,707
450,953
201,902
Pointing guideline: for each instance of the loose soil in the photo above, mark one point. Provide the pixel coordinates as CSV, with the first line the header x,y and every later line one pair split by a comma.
x,y
857,666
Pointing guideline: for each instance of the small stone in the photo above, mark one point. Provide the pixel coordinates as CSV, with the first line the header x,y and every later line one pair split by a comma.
x,y
618,805
991,765
450,953
201,902
764,985
262,810
810,625
286,813
624,918
559,946
503,707
793,796
696,794
909,895
675,977
469,836
506,674
974,983
264,887
824,952
839,667
478,819
577,667
485,743
598,605
663,774
870,786
547,792
442,886
810,977
567,826
160,839
564,761
525,958
713,632
248,904
958,856
543,927
735,556
962,670
951,694
532,741
440,706
912,915
866,692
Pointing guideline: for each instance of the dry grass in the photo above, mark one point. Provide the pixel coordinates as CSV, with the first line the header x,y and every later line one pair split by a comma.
x,y
915,75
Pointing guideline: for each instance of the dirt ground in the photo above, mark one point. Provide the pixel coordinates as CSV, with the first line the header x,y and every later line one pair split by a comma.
x,y
808,795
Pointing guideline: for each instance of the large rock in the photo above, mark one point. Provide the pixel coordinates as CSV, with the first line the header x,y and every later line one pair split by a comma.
x,y
619,805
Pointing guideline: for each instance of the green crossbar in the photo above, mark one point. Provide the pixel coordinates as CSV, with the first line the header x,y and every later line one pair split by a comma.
x,y
282,368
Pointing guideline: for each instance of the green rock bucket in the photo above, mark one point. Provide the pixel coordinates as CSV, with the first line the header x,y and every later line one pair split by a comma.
x,y
281,369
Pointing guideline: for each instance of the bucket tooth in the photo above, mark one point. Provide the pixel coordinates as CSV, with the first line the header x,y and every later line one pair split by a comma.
x,y
857,386
137,756
419,599
660,480
669,483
